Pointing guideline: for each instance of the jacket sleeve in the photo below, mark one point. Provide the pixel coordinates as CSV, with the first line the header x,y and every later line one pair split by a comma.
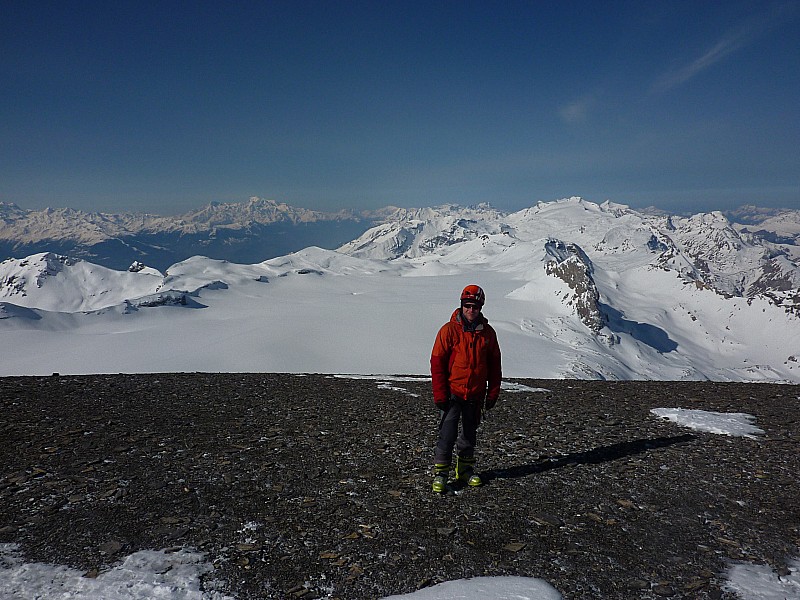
x,y
495,373
440,367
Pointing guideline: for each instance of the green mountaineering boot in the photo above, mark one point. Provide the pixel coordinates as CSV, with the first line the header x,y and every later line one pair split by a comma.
x,y
440,474
465,472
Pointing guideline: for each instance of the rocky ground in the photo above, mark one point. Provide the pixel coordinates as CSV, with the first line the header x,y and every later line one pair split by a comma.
x,y
319,487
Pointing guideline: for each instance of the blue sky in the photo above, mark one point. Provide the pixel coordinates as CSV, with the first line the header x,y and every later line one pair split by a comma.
x,y
166,106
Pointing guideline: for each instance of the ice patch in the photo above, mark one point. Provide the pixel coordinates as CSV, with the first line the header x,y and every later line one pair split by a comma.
x,y
735,424
510,386
497,588
760,582
144,574
385,385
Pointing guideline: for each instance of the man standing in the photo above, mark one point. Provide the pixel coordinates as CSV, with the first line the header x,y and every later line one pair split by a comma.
x,y
466,373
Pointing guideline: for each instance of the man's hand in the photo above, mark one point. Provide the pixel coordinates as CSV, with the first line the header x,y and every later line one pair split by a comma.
x,y
443,405
490,402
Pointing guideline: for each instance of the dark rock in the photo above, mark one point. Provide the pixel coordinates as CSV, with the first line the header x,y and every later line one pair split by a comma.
x,y
325,481
663,590
111,547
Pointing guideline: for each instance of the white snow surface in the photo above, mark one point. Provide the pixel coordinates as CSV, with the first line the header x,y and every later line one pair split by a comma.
x,y
733,424
376,310
150,574
146,574
497,588
760,582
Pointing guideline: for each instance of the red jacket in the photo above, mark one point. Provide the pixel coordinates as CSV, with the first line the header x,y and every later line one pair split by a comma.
x,y
466,363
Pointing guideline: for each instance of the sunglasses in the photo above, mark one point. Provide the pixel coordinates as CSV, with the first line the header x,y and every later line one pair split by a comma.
x,y
470,306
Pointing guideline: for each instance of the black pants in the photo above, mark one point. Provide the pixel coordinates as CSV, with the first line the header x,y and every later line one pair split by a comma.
x,y
467,414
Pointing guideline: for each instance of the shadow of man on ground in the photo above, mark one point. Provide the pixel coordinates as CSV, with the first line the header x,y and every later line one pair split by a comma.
x,y
590,457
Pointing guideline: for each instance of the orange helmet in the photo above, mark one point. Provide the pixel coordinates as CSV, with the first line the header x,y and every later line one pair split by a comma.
x,y
473,293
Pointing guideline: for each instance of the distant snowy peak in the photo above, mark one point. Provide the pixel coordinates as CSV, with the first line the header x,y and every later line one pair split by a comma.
x,y
10,211
409,233
479,211
258,210
784,224
756,215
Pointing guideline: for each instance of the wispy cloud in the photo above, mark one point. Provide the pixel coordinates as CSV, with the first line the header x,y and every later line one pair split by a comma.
x,y
732,41
720,50
577,110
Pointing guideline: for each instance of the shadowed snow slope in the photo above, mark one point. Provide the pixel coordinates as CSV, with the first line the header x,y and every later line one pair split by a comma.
x,y
574,289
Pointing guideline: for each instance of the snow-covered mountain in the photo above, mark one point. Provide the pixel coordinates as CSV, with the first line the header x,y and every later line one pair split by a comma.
x,y
575,289
62,284
705,249
242,231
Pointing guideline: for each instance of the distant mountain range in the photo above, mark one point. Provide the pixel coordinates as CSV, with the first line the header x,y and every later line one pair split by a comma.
x,y
575,289
253,231
245,232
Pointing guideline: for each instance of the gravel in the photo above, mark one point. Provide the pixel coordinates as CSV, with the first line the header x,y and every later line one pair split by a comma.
x,y
312,486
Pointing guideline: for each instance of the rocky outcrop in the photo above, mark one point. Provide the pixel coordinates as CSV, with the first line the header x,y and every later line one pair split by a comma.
x,y
570,264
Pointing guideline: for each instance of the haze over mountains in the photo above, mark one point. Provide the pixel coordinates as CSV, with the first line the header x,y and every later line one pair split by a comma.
x,y
241,232
575,289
